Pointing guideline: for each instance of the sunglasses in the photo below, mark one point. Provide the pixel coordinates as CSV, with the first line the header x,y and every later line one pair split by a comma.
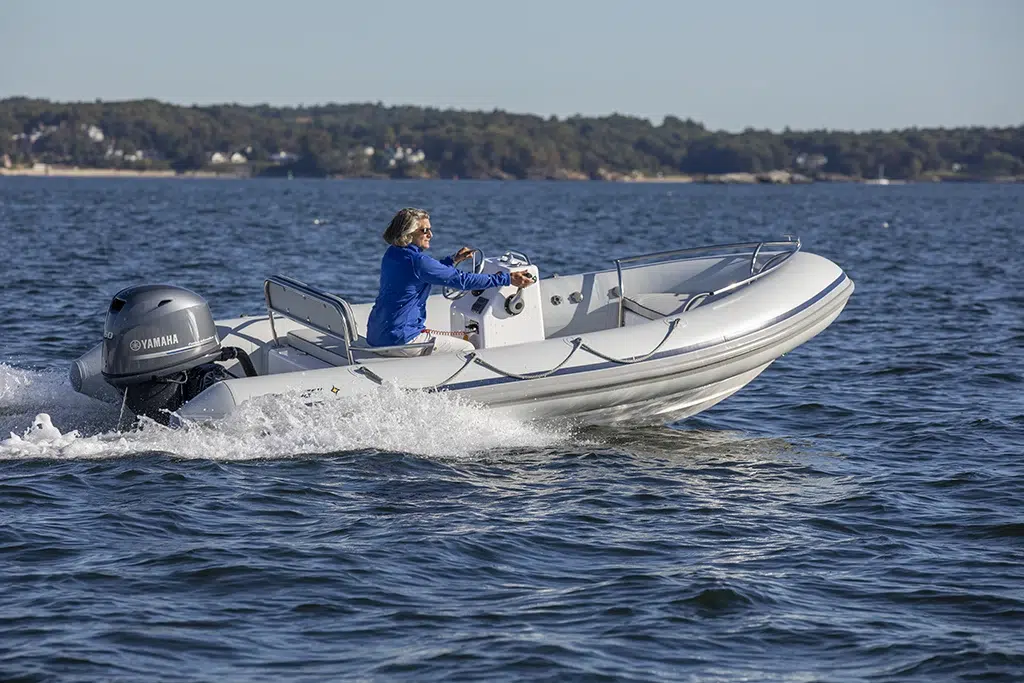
x,y
427,231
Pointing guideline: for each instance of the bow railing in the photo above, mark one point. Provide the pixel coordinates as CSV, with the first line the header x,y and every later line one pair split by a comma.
x,y
789,247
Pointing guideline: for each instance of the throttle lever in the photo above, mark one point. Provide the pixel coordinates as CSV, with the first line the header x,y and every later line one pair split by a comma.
x,y
514,304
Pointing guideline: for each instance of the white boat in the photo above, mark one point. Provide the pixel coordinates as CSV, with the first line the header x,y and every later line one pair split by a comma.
x,y
880,180
654,339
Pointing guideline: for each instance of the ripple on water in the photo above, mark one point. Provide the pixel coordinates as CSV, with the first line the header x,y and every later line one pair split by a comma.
x,y
853,514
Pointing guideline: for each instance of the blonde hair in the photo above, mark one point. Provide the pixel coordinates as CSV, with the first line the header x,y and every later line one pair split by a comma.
x,y
403,226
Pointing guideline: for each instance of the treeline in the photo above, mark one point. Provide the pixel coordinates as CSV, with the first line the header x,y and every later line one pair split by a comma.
x,y
337,140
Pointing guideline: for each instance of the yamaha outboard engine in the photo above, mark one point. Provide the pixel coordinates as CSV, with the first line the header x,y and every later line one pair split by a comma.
x,y
159,344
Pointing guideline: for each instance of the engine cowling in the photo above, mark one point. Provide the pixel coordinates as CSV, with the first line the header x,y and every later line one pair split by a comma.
x,y
159,344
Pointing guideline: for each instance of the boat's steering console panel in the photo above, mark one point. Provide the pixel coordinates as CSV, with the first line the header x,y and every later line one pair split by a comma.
x,y
505,315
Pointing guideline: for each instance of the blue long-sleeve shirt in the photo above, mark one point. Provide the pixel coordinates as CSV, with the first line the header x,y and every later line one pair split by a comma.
x,y
406,275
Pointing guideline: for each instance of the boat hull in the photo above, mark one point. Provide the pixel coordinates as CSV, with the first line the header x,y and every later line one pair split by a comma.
x,y
679,380
592,363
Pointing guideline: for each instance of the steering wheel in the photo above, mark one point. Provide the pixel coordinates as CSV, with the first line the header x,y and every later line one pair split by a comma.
x,y
476,264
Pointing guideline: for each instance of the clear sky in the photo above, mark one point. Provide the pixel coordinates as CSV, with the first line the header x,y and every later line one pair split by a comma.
x,y
839,64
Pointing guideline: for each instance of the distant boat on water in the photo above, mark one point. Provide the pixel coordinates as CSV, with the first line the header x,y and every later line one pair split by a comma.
x,y
881,179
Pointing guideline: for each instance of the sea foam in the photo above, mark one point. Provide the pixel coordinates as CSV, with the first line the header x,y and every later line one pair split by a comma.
x,y
432,425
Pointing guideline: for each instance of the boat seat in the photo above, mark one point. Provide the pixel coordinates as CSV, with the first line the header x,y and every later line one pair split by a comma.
x,y
331,349
286,358
656,305
329,331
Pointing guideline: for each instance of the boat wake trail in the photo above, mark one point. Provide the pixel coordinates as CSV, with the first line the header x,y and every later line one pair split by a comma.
x,y
41,416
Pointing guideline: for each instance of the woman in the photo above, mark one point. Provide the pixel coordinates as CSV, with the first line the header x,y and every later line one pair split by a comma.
x,y
406,275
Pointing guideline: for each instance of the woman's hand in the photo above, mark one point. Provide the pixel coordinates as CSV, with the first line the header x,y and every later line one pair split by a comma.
x,y
462,254
521,278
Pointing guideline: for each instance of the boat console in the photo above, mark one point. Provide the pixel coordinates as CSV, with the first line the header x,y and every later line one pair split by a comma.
x,y
501,316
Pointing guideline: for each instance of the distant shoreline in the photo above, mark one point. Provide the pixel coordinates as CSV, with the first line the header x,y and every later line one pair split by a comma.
x,y
367,140
769,178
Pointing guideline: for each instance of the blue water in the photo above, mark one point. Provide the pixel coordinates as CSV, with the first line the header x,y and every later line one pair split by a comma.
x,y
855,514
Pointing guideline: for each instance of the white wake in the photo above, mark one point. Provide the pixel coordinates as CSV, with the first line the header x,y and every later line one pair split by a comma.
x,y
432,425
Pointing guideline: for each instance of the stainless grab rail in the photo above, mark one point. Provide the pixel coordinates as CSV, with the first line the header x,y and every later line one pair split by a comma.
x,y
693,253
753,259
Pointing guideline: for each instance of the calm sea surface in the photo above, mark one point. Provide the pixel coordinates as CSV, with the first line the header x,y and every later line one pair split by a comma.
x,y
855,514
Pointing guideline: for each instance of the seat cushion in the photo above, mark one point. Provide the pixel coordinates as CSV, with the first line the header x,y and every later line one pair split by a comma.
x,y
331,349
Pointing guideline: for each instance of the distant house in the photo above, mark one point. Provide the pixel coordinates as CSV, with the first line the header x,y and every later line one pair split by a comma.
x,y
137,155
29,139
95,133
393,157
282,157
232,158
811,162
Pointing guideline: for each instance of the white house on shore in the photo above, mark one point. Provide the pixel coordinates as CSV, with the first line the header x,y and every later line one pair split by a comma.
x,y
94,132
394,156
223,158
282,157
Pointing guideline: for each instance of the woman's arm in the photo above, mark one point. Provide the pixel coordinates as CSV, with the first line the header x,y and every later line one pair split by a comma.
x,y
435,272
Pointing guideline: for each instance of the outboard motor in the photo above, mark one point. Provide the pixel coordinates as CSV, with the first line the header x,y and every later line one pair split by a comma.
x,y
159,346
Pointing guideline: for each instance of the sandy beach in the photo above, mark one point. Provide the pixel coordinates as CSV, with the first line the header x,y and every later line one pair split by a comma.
x,y
49,171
